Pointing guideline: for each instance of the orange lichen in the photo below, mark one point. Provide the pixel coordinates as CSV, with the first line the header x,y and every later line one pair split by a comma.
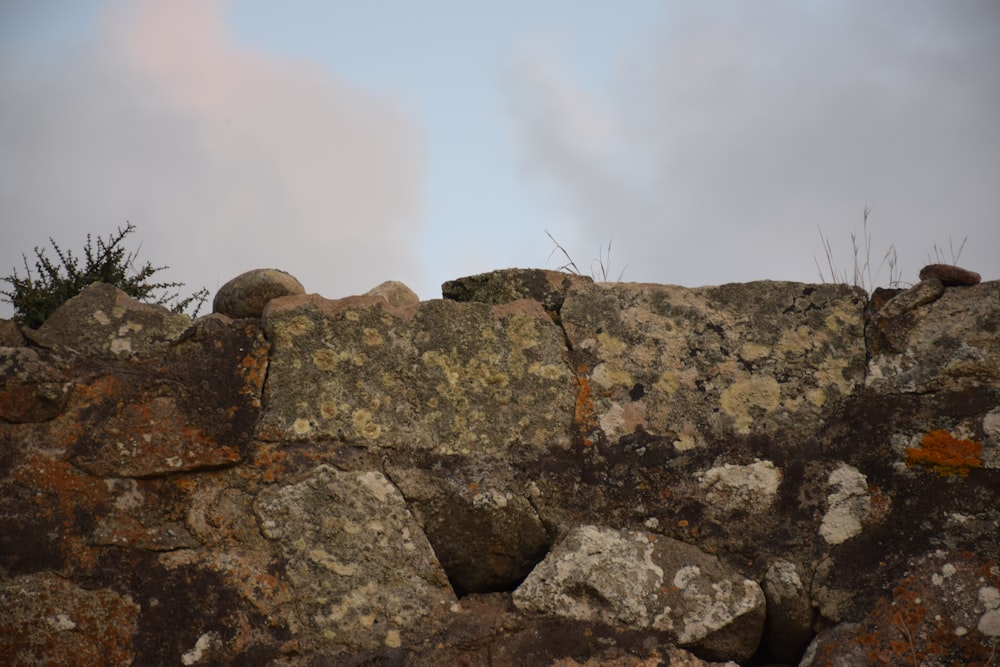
x,y
945,454
585,416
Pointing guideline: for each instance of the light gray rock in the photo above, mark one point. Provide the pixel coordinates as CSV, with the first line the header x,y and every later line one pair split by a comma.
x,y
360,568
641,580
443,376
248,293
103,321
712,362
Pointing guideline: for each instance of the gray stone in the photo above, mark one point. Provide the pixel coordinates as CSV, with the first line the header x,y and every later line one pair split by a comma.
x,y
443,376
709,363
360,567
248,293
103,321
641,580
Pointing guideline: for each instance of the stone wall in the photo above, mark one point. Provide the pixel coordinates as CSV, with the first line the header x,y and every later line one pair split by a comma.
x,y
534,470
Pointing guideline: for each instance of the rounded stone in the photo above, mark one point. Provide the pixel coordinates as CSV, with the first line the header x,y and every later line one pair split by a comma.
x,y
248,293
950,275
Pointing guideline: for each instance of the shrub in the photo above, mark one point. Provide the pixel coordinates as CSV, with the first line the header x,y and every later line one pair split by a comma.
x,y
36,298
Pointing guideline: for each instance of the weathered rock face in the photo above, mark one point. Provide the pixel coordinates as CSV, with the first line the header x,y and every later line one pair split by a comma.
x,y
104,321
539,470
637,580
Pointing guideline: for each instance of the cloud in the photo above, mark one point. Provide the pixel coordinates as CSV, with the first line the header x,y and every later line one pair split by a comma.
x,y
225,158
732,131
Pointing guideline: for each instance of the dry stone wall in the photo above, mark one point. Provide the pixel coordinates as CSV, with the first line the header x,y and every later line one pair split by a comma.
x,y
534,470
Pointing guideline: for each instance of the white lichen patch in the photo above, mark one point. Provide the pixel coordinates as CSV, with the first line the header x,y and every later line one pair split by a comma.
x,y
754,486
205,643
847,505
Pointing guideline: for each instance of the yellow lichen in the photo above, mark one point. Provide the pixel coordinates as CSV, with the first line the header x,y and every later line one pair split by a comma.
x,y
945,454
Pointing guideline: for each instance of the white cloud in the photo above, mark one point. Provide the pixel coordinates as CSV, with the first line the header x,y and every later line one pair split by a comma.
x,y
226,159
732,131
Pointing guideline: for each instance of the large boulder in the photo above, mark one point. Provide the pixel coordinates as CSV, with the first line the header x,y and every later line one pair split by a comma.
x,y
641,580
453,378
700,365
359,566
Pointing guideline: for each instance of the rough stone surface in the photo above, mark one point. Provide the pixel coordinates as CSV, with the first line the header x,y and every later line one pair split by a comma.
x,y
248,293
445,376
10,334
950,343
700,364
358,564
350,482
549,288
103,321
790,615
34,384
932,615
949,274
46,620
640,580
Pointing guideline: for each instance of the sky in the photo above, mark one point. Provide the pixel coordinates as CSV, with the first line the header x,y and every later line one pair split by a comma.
x,y
350,143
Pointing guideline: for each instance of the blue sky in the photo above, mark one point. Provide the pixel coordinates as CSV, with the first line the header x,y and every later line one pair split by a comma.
x,y
352,143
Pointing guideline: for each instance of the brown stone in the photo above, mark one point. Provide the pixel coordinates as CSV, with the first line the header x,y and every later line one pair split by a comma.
x,y
248,293
950,275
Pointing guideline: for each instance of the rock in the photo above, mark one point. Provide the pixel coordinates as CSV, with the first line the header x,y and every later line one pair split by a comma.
x,y
951,343
153,423
498,287
396,293
46,620
317,494
34,385
697,365
442,376
488,538
939,612
103,321
788,629
640,580
359,565
949,275
10,334
248,293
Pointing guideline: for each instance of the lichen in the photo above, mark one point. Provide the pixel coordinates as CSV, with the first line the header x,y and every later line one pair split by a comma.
x,y
945,454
